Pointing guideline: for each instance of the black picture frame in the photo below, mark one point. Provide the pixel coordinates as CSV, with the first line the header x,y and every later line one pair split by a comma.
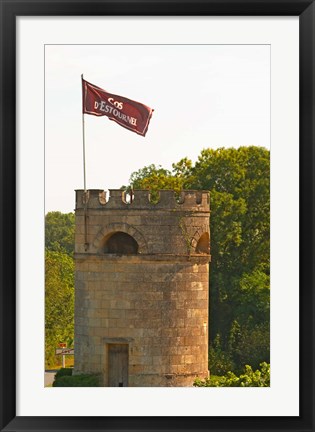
x,y
9,10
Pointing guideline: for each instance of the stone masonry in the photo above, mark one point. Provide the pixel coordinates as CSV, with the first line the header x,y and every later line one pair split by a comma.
x,y
141,287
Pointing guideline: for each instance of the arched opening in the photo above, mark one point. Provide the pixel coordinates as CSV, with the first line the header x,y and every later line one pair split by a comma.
x,y
203,245
122,244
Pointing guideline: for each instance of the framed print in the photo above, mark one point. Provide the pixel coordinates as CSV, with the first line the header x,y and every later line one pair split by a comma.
x,y
212,97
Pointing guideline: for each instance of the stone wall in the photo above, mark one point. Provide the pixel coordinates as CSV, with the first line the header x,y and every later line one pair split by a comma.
x,y
154,301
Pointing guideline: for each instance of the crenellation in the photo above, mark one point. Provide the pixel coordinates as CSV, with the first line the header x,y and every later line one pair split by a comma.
x,y
141,199
95,197
116,199
167,200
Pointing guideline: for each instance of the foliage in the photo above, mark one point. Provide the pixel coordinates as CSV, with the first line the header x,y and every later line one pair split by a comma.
x,y
239,184
253,344
63,372
59,303
220,362
156,178
59,232
259,378
86,380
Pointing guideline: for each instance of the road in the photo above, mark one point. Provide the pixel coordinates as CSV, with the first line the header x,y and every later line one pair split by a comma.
x,y
49,377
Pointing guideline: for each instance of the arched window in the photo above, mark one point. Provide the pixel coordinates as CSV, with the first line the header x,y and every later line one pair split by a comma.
x,y
122,244
203,245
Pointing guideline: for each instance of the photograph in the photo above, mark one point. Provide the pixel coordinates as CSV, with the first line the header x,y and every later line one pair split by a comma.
x,y
144,288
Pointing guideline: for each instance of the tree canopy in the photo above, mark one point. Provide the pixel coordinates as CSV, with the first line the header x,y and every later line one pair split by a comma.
x,y
59,232
59,283
239,185
59,302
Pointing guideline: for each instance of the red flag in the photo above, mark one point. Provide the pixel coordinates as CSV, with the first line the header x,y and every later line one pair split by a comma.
x,y
127,113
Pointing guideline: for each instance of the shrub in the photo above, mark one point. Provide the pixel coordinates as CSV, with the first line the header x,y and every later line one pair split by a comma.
x,y
259,378
88,380
63,372
220,361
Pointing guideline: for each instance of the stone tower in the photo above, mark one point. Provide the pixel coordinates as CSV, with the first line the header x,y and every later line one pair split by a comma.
x,y
141,287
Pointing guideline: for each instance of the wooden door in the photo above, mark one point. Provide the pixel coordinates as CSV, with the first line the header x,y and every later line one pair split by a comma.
x,y
118,365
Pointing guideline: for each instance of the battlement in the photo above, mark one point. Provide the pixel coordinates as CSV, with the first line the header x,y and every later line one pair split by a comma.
x,y
141,199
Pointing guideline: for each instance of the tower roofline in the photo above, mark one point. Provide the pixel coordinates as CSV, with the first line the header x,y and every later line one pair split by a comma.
x,y
195,200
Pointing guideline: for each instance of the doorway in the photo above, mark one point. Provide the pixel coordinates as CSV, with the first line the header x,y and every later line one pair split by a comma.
x,y
118,365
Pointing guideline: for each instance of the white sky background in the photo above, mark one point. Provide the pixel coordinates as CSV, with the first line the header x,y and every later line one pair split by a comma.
x,y
202,95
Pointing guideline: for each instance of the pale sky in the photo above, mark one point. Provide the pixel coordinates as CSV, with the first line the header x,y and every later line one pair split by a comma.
x,y
203,96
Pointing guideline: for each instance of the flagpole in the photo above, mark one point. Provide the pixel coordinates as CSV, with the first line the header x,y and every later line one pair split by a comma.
x,y
84,173
86,244
83,133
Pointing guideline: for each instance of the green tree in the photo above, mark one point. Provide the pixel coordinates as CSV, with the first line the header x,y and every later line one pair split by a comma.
x,y
59,302
239,184
243,173
59,232
156,178
183,170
